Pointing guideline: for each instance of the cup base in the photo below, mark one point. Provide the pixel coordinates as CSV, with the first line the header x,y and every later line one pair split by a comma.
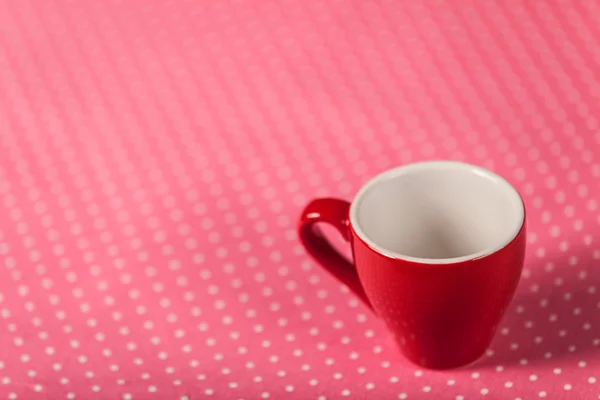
x,y
446,364
445,361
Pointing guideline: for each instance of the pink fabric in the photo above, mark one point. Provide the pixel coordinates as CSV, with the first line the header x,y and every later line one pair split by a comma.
x,y
155,156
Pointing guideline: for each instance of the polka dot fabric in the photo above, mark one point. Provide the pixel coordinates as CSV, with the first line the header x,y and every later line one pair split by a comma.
x,y
155,156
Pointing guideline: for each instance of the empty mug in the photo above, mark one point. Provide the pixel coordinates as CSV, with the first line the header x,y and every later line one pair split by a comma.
x,y
438,249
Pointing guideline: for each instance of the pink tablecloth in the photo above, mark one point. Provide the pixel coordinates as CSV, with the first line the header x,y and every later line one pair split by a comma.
x,y
155,156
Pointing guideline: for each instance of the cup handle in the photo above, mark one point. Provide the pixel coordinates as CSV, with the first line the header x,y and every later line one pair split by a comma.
x,y
336,213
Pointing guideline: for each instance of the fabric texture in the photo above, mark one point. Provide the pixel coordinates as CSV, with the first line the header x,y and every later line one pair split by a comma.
x,y
155,156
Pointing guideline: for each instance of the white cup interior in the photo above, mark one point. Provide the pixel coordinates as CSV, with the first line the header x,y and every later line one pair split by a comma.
x,y
437,212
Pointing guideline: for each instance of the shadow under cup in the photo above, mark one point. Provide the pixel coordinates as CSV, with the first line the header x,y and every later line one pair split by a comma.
x,y
439,248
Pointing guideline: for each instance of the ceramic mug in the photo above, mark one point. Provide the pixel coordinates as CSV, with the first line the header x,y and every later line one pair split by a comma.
x,y
438,249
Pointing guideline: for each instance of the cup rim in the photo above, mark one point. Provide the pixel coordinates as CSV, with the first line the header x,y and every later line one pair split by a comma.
x,y
435,165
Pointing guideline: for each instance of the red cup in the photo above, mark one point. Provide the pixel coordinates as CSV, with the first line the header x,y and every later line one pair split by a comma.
x,y
438,250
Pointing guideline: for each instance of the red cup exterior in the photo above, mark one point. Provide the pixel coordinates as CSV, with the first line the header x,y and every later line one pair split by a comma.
x,y
441,315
